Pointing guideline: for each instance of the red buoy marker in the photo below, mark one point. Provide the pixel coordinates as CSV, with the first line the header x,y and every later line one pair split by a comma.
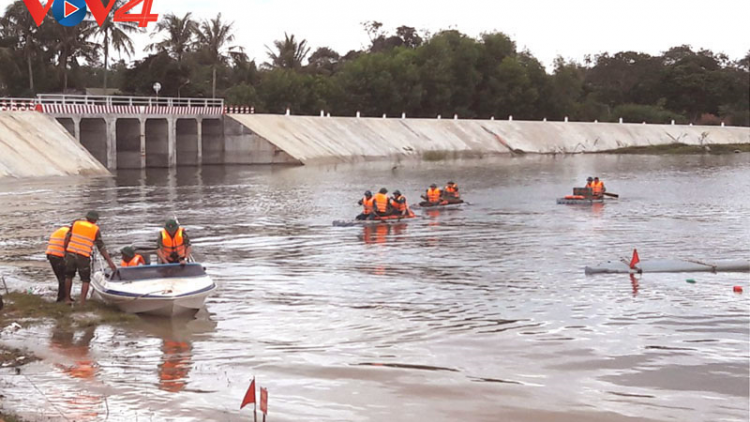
x,y
737,289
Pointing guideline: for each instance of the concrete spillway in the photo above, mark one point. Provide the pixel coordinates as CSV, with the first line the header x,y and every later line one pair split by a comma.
x,y
34,145
336,139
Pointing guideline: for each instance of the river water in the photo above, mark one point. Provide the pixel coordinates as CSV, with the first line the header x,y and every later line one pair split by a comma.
x,y
478,314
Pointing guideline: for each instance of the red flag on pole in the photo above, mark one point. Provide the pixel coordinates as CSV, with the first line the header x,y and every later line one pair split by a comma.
x,y
635,259
249,395
263,400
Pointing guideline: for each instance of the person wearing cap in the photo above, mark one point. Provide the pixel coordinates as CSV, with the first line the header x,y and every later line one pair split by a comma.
x,y
381,204
433,195
590,182
597,187
173,245
130,258
367,203
451,191
398,204
79,244
56,257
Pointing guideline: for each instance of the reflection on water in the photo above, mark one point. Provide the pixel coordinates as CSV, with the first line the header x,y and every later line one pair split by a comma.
x,y
482,313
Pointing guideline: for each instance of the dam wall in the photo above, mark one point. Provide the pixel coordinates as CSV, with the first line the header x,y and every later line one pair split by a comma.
x,y
311,139
35,145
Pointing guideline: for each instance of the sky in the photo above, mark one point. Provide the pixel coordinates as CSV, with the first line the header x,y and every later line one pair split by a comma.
x,y
547,28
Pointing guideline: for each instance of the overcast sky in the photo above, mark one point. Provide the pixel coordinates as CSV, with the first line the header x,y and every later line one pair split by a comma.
x,y
548,28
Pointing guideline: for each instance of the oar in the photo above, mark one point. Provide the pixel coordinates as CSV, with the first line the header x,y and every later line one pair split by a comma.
x,y
613,195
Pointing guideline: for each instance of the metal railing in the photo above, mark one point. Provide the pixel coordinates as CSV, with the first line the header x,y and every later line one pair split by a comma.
x,y
117,100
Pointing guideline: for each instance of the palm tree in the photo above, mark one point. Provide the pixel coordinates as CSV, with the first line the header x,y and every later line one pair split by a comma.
x,y
213,37
18,24
289,53
72,43
116,35
180,32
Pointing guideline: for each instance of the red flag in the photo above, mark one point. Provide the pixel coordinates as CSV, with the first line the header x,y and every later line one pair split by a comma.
x,y
249,396
635,259
263,400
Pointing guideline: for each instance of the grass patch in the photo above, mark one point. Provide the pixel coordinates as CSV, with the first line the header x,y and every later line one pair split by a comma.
x,y
13,358
7,417
26,309
679,148
435,155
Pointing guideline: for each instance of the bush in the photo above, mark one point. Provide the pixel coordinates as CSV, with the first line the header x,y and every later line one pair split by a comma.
x,y
637,113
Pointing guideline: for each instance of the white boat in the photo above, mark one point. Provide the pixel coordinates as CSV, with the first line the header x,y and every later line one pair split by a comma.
x,y
164,290
670,266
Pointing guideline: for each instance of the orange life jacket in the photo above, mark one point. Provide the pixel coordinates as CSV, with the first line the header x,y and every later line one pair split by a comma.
x,y
398,206
433,195
598,188
381,202
170,244
82,237
451,188
56,245
136,261
368,204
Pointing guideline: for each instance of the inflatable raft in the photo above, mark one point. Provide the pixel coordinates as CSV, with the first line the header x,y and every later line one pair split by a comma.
x,y
670,266
574,200
443,205
391,219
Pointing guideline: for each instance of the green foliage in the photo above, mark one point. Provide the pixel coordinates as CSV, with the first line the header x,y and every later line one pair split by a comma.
x,y
242,94
403,70
637,113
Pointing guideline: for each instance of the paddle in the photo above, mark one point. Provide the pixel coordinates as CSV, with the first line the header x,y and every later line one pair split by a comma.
x,y
613,195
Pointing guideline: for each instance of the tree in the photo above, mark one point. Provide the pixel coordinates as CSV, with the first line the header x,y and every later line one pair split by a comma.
x,y
324,61
73,43
213,37
179,39
289,53
115,34
18,25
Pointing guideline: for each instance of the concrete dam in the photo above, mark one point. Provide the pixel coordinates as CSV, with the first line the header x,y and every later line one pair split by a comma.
x,y
178,132
35,145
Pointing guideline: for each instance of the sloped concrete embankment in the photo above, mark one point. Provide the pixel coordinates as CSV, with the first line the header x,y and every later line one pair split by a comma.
x,y
35,145
339,139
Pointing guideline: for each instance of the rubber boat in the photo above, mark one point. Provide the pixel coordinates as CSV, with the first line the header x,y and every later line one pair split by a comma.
x,y
636,266
164,290
579,200
583,196
446,204
391,219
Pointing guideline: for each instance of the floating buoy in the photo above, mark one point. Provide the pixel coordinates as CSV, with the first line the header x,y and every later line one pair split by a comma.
x,y
690,280
737,289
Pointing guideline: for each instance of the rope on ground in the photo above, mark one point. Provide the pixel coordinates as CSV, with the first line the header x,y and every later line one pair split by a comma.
x,y
45,397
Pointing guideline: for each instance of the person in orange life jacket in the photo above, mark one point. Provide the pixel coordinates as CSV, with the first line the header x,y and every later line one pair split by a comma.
x,y
598,187
173,245
79,244
130,258
590,182
451,191
398,204
433,194
369,207
56,257
381,203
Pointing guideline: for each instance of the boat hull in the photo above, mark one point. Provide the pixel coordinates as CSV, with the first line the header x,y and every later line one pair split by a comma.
x,y
670,266
567,201
178,292
352,223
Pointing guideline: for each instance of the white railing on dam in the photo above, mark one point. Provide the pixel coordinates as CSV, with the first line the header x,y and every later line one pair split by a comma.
x,y
121,100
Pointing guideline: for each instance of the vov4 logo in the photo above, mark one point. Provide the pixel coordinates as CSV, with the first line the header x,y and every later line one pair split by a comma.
x,y
72,12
